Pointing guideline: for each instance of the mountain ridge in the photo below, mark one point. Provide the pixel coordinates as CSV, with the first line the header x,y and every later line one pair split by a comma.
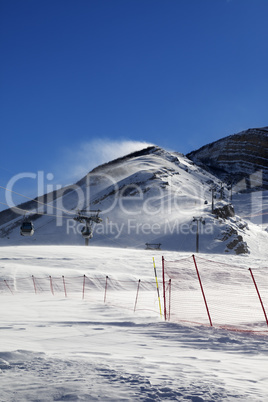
x,y
238,157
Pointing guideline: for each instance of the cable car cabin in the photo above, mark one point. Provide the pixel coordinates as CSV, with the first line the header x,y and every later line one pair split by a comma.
x,y
87,232
27,229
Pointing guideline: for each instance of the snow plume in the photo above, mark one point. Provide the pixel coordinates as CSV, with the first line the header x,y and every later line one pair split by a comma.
x,y
78,162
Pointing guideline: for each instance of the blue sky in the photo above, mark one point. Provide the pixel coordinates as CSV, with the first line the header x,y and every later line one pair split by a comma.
x,y
78,73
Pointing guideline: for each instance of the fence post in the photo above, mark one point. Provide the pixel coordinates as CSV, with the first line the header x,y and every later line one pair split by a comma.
x,y
204,297
51,285
164,288
64,286
106,285
8,286
169,303
35,290
256,287
84,282
138,288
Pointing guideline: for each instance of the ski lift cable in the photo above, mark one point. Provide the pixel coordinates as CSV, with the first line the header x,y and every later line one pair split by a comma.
x,y
3,203
112,240
39,202
24,210
36,213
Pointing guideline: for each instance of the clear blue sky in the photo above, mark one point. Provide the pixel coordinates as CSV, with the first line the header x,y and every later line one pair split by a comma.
x,y
177,73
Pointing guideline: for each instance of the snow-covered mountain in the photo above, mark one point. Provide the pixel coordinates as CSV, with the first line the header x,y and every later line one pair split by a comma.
x,y
148,197
239,158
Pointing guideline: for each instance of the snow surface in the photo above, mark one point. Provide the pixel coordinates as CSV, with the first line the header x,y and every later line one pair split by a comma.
x,y
54,348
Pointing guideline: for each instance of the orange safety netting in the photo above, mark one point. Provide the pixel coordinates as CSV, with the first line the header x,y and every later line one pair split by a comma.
x,y
206,292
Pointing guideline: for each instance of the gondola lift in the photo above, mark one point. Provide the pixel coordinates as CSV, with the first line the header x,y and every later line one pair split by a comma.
x,y
89,220
87,232
27,228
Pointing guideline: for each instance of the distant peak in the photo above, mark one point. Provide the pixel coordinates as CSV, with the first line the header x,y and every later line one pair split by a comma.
x,y
135,154
238,157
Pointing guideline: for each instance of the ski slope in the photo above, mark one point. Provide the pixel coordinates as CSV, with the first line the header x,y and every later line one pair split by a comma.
x,y
57,348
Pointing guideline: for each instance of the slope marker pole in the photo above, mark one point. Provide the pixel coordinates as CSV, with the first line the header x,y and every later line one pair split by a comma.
x,y
105,291
138,288
169,304
51,285
84,282
35,290
202,290
256,287
7,285
157,288
64,286
164,288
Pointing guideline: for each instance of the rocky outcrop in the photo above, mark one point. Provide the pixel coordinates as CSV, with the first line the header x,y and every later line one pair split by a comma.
x,y
234,241
240,158
224,212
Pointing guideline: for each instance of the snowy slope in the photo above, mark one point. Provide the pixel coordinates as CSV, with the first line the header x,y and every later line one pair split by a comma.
x,y
54,348
150,196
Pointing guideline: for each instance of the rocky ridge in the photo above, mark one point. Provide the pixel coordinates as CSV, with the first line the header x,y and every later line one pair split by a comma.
x,y
239,158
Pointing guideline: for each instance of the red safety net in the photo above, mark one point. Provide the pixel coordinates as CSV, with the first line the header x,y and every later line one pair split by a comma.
x,y
202,291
